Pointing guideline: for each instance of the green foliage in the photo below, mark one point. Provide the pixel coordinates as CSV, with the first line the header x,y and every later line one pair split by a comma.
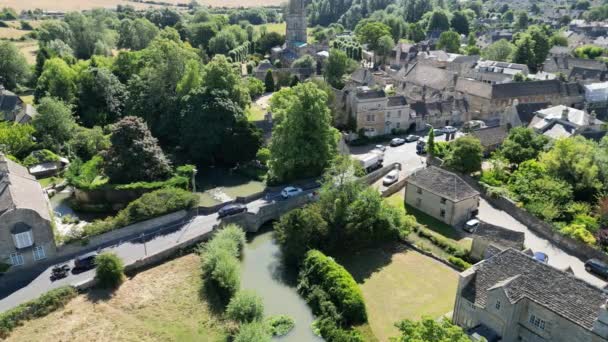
x,y
54,124
148,206
460,23
430,330
300,230
438,21
109,270
57,80
301,112
39,307
441,149
83,175
579,232
459,263
523,144
465,155
13,65
333,279
338,65
255,87
370,32
16,139
253,332
39,157
501,50
589,51
269,81
268,41
136,34
440,241
245,307
524,52
101,97
87,142
280,325
220,261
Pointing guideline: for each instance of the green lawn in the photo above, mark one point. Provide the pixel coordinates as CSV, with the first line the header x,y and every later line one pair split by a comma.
x,y
281,28
45,182
255,112
401,284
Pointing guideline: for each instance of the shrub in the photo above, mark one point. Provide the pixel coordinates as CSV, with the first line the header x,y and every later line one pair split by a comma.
x,y
441,242
330,331
245,307
40,156
578,232
38,307
280,325
253,332
459,263
343,291
110,270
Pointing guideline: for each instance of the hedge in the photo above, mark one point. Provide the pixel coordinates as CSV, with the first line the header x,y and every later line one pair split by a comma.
x,y
441,242
39,157
342,290
39,307
459,263
148,206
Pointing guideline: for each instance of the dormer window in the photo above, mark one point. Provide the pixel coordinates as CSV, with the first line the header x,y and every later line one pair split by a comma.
x,y
22,235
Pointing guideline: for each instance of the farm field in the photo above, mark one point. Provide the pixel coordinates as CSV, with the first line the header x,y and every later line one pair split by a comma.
x,y
79,5
164,303
29,49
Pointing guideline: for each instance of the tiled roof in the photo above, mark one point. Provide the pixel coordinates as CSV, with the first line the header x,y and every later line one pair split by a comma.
x,y
20,190
443,183
526,111
520,276
428,76
371,94
504,237
395,101
491,136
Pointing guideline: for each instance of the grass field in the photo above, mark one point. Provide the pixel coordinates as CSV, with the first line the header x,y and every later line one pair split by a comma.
x,y
161,304
401,284
79,5
281,27
29,49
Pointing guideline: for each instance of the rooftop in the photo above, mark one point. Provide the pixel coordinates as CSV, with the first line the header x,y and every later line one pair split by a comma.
x,y
521,277
504,237
394,101
442,183
491,136
20,190
371,94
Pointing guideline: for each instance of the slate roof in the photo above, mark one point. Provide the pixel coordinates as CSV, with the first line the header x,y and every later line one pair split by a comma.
x,y
443,183
20,190
428,76
491,136
8,101
515,89
503,237
527,111
371,94
587,74
521,277
395,101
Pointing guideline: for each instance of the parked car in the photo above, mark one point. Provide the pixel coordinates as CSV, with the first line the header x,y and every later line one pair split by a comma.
x,y
380,148
85,261
391,178
542,257
438,132
421,147
412,138
231,209
473,125
59,272
449,129
598,267
471,226
290,191
397,142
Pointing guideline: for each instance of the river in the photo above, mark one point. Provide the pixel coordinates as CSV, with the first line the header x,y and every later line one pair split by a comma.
x,y
61,206
263,272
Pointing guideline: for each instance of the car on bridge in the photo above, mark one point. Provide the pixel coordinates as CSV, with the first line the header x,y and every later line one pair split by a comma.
x,y
290,191
232,209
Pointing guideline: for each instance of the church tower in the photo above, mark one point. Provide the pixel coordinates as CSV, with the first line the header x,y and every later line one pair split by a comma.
x,y
296,24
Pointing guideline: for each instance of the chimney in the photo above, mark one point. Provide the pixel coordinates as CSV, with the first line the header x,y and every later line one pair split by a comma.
x,y
565,113
600,326
3,165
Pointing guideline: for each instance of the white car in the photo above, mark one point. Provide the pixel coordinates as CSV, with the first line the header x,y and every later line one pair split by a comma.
x,y
471,226
391,178
381,148
290,191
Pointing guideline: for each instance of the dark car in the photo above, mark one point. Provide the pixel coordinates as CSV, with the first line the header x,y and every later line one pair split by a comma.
x,y
231,209
412,138
597,267
85,262
420,147
59,271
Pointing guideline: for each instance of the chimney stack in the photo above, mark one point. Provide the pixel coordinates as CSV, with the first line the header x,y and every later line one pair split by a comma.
x,y
565,113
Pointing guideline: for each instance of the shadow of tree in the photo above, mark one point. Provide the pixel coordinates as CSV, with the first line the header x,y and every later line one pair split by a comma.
x,y
96,295
365,262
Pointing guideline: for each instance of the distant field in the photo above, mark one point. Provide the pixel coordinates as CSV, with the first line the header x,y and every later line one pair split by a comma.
x,y
29,49
14,30
79,5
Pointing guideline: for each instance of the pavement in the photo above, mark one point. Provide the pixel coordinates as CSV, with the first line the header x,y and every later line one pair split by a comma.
x,y
155,241
410,161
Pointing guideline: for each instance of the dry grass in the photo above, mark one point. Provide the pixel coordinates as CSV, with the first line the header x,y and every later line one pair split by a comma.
x,y
14,30
160,304
29,50
79,5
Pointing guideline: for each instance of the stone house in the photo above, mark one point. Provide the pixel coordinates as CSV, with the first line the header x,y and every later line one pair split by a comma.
x,y
442,195
576,69
497,72
512,297
379,114
426,83
12,108
490,239
596,92
491,137
26,234
562,122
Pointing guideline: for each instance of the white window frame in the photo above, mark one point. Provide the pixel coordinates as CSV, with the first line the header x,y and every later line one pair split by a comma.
x,y
537,322
39,253
17,259
23,240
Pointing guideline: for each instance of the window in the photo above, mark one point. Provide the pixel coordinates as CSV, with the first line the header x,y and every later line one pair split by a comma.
x,y
497,305
399,114
370,117
442,213
419,190
39,253
388,114
537,322
418,201
443,200
23,240
16,259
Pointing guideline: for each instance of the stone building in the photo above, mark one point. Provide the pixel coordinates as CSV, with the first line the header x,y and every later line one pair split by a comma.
x,y
490,239
12,108
379,114
26,234
512,297
295,18
562,122
426,83
442,194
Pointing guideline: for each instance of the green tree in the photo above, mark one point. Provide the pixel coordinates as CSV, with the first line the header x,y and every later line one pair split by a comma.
x,y
430,330
306,61
269,82
439,21
199,34
501,50
54,124
13,66
449,41
300,230
219,75
460,23
558,39
134,155
245,307
338,65
370,32
253,332
223,42
268,41
465,155
415,32
522,20
85,143
101,97
430,146
57,80
136,34
16,139
192,79
523,144
109,271
255,87
301,112
541,44
385,47
524,52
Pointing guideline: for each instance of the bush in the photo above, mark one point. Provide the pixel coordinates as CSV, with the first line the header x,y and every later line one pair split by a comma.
x,y
280,325
38,307
110,270
332,278
253,332
332,332
459,263
245,307
441,242
39,157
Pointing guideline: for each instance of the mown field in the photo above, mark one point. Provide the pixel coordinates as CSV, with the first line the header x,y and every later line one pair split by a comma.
x,y
164,303
79,5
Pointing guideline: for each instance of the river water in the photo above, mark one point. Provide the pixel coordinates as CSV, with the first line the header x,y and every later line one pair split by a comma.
x,y
263,272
